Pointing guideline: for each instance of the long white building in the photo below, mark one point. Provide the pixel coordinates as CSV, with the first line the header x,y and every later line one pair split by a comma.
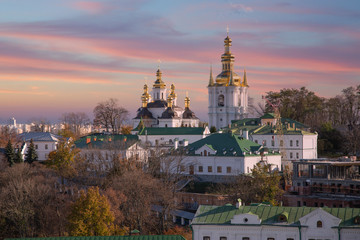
x,y
263,222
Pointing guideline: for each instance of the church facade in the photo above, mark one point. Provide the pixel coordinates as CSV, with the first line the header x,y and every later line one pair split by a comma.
x,y
160,109
228,94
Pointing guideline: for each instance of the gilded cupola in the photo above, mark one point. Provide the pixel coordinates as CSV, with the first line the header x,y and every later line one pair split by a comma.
x,y
159,83
227,61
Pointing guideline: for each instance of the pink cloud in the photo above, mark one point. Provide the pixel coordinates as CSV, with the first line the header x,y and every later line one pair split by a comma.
x,y
91,7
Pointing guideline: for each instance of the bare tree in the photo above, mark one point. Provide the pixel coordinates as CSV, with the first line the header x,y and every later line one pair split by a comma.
x,y
75,121
110,115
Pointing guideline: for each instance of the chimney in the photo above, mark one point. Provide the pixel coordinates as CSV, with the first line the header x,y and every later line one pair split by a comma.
x,y
176,143
239,203
246,134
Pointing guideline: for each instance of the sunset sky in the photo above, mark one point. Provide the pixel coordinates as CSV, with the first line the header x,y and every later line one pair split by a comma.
x,y
61,56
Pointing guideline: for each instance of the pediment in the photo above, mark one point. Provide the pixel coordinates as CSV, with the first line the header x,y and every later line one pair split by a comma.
x,y
319,214
246,218
206,148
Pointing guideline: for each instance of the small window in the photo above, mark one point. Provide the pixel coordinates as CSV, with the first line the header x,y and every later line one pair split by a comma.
x,y
46,146
282,218
291,155
281,143
297,143
223,238
245,238
36,146
206,238
319,224
209,168
289,239
270,238
219,169
201,169
272,143
228,169
291,143
256,141
221,100
304,204
205,153
357,220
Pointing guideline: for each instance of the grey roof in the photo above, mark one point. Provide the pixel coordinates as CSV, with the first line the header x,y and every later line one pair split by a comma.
x,y
40,137
157,104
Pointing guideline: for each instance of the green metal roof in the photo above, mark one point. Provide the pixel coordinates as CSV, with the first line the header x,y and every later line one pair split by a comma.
x,y
173,131
106,141
269,215
226,144
137,237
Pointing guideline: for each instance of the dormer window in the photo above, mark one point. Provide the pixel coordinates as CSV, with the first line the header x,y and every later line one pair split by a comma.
x,y
357,220
282,217
319,224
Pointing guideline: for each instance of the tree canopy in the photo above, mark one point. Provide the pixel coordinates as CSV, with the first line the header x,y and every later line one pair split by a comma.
x,y
91,215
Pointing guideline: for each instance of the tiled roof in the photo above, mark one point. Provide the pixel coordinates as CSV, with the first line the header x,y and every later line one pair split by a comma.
x,y
106,141
40,137
226,144
138,237
173,131
269,214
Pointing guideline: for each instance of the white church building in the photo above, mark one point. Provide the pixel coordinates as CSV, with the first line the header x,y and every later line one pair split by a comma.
x,y
160,109
228,94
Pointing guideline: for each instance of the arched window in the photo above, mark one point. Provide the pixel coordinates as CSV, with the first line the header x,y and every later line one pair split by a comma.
x,y
205,153
319,224
221,100
291,143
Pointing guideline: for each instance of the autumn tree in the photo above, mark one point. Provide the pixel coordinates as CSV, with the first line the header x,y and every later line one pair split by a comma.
x,y
6,134
262,185
10,153
91,215
29,203
126,129
63,160
31,154
110,115
140,190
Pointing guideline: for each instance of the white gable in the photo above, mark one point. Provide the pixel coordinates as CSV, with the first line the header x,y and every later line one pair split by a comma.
x,y
246,218
205,148
328,220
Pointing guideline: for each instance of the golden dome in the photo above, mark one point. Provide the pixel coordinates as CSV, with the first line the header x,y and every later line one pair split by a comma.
x,y
159,83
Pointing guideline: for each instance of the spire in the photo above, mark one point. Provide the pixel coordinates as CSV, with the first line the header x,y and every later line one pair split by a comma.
x,y
172,94
187,101
169,102
211,80
231,80
245,84
159,83
145,97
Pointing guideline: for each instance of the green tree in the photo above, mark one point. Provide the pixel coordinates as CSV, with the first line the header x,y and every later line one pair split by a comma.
x,y
31,154
213,129
10,153
261,186
91,215
18,156
63,160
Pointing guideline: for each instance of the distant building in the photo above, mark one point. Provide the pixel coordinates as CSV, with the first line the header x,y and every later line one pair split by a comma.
x,y
104,149
44,142
325,182
262,222
168,137
220,156
228,94
297,141
161,110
